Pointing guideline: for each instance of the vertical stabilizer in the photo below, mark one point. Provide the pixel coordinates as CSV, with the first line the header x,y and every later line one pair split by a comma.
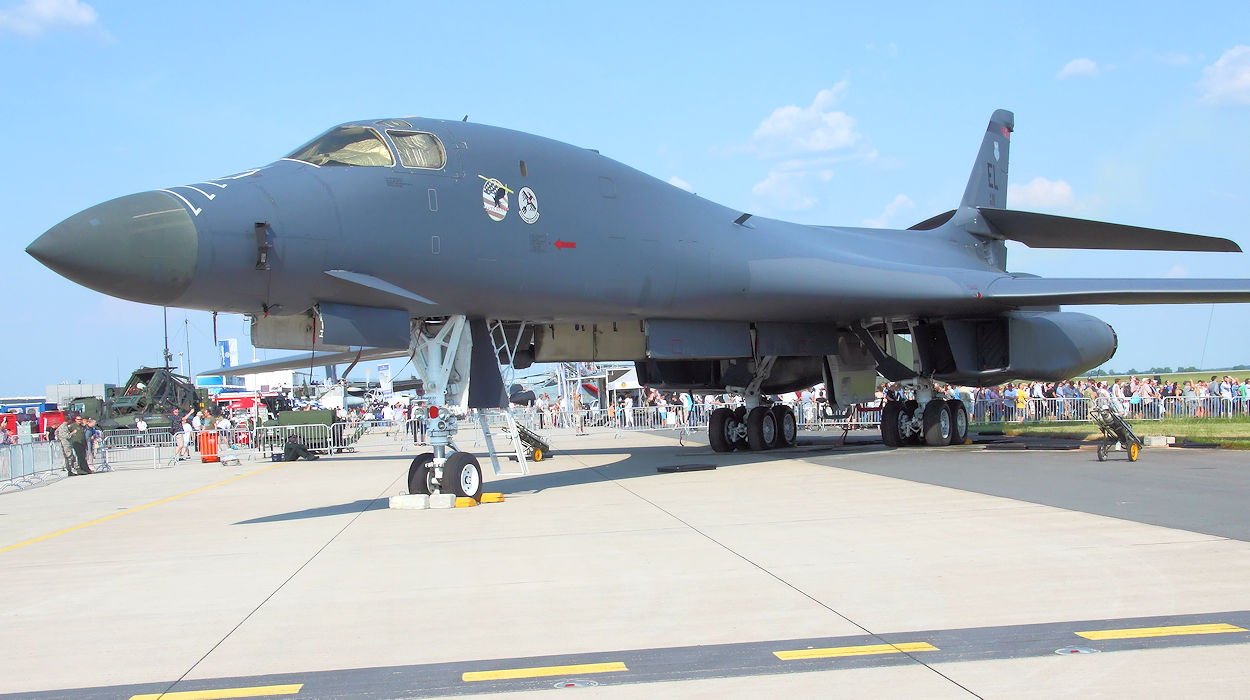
x,y
987,186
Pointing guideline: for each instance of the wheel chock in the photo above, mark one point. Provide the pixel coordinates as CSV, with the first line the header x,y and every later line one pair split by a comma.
x,y
443,500
465,502
492,498
410,501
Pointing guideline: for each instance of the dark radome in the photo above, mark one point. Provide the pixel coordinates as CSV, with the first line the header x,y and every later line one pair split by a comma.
x,y
142,247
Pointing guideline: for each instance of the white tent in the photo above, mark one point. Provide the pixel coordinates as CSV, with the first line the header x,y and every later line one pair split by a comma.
x,y
623,380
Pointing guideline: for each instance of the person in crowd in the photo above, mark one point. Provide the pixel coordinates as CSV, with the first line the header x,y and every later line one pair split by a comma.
x,y
294,449
95,440
78,438
182,441
62,435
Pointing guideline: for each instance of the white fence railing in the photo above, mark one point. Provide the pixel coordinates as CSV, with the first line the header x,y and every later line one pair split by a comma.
x,y
29,463
1078,409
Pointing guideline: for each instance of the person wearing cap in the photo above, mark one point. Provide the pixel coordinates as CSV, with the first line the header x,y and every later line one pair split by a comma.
x,y
62,436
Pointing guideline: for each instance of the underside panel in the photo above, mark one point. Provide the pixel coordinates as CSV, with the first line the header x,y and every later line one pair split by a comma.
x,y
667,339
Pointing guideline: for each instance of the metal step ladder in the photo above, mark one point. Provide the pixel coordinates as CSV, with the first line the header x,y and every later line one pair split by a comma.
x,y
514,432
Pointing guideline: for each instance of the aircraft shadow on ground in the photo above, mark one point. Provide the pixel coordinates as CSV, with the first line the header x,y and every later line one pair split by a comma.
x,y
638,462
359,506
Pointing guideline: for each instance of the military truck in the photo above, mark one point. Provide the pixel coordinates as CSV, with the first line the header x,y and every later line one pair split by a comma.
x,y
155,393
273,438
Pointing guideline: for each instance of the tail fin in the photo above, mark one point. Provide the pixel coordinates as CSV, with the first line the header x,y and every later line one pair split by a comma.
x,y
987,186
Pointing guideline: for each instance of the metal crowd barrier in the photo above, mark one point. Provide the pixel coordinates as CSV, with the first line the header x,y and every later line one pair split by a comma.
x,y
1079,409
1007,410
136,438
271,440
29,463
1205,407
126,451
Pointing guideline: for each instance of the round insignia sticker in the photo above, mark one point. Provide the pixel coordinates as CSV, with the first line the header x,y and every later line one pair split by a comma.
x,y
527,202
494,198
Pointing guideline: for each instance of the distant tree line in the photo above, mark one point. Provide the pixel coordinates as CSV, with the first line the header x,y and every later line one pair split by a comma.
x,y
1162,370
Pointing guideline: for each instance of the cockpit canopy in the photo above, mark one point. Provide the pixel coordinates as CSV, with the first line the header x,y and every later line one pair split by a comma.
x,y
364,146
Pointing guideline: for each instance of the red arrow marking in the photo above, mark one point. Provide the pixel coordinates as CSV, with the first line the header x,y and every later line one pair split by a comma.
x,y
565,244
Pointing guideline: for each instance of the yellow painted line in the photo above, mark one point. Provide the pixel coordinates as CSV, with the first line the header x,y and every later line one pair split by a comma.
x,y
868,650
540,671
135,509
1140,632
223,693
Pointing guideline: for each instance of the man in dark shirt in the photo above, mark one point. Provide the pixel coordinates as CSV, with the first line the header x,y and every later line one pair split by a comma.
x,y
78,441
294,449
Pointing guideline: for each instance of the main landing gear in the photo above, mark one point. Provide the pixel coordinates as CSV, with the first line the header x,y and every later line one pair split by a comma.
x,y
761,428
939,423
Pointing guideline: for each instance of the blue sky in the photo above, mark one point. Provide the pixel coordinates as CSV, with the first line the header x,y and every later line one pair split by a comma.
x,y
827,113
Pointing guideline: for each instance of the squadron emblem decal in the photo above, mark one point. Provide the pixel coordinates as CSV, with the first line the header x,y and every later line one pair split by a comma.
x,y
527,205
495,198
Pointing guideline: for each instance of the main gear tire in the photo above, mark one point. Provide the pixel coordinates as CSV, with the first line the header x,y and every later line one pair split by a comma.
x,y
761,428
787,425
959,421
937,423
722,429
892,424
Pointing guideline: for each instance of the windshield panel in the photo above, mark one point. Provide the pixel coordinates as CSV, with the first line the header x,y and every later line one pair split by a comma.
x,y
418,149
346,145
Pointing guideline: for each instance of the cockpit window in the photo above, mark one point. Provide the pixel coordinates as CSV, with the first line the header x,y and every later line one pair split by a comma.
x,y
346,145
418,149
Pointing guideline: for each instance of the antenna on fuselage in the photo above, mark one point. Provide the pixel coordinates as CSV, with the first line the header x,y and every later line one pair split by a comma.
x,y
466,118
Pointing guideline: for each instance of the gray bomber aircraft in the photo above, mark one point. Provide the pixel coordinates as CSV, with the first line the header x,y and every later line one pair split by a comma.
x,y
470,246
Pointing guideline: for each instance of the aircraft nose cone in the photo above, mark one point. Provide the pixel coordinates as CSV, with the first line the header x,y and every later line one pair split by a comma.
x,y
142,247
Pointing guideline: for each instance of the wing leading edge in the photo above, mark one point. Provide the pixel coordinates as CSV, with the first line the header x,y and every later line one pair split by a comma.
x,y
1041,291
305,360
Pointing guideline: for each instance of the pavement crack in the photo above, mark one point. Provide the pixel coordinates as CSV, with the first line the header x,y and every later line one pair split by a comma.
x,y
280,586
783,581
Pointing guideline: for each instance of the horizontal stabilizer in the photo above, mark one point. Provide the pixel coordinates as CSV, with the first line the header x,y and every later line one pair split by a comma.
x,y
1048,231
305,361
1041,291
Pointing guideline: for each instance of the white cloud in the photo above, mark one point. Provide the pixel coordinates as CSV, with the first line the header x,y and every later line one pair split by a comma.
x,y
786,190
1079,67
1227,81
35,17
1041,193
1177,272
817,128
678,182
900,203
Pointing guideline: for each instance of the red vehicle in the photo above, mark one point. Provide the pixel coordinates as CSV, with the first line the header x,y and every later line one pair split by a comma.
x,y
49,420
9,422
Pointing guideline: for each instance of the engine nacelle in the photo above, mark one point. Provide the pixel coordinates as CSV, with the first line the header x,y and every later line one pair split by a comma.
x,y
1033,345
